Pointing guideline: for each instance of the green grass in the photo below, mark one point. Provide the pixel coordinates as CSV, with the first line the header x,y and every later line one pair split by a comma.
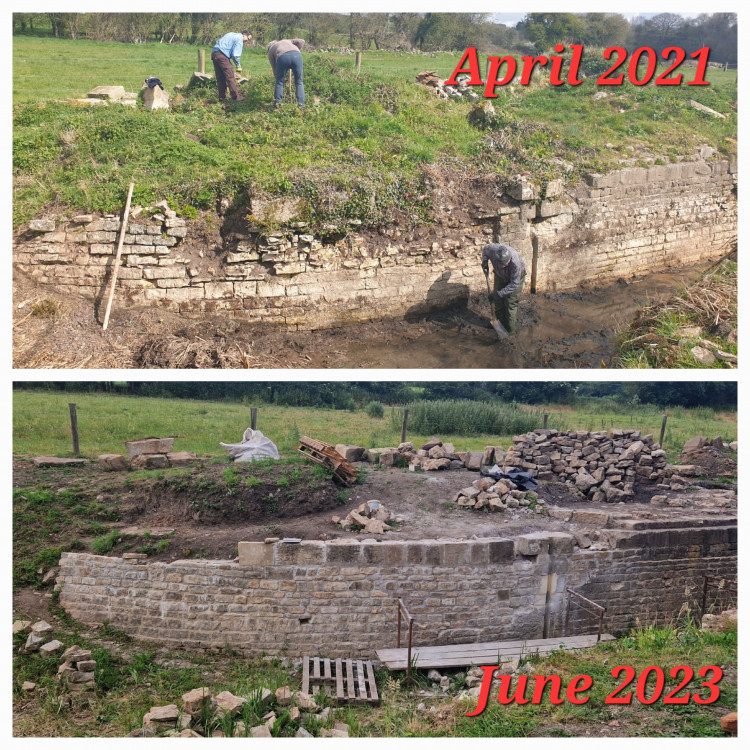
x,y
41,424
85,157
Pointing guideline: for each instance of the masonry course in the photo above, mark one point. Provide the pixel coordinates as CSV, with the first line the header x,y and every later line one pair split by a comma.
x,y
616,225
338,598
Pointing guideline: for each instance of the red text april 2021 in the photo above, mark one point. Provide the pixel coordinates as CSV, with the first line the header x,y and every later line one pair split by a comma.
x,y
650,687
641,68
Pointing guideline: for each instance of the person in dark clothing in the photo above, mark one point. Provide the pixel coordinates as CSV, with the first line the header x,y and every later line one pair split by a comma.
x,y
284,56
510,273
227,50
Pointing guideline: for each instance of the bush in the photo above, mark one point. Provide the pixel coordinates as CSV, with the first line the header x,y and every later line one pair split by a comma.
x,y
375,410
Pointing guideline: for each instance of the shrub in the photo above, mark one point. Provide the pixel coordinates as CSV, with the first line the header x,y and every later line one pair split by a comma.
x,y
375,410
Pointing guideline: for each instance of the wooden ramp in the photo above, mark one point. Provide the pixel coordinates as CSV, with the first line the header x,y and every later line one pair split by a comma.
x,y
346,680
483,654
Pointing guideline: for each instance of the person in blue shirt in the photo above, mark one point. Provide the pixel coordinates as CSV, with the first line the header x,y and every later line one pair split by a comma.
x,y
227,50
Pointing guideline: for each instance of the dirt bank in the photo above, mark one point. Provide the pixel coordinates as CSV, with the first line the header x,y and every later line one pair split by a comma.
x,y
554,330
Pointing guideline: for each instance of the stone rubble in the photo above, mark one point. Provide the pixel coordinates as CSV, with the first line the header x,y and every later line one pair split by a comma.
x,y
76,670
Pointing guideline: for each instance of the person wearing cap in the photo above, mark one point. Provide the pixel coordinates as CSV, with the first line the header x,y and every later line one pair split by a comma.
x,y
509,272
285,55
225,52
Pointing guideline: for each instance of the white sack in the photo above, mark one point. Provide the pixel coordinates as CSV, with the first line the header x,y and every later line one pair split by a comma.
x,y
254,445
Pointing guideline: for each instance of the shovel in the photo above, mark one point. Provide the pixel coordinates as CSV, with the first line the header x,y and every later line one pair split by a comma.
x,y
502,334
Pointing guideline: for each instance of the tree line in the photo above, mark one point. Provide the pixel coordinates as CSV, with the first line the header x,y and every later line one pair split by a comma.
x,y
426,32
342,395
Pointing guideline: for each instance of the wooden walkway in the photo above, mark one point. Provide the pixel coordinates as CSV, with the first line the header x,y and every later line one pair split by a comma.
x,y
482,654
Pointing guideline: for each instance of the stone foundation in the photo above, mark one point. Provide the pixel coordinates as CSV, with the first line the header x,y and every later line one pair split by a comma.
x,y
617,225
339,598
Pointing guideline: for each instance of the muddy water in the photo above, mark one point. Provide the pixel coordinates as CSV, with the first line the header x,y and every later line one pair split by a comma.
x,y
573,330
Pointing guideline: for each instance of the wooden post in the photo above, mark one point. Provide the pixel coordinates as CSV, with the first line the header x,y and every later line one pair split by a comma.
x,y
546,417
201,61
253,417
74,429
358,60
403,426
661,434
116,264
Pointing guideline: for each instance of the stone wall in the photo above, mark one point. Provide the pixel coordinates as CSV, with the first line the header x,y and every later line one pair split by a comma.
x,y
338,598
617,225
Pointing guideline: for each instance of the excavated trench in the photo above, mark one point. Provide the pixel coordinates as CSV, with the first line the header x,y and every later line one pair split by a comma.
x,y
574,329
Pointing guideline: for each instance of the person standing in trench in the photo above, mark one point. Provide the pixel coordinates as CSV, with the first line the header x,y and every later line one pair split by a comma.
x,y
509,274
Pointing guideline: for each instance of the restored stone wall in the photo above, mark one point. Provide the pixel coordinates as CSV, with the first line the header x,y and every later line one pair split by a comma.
x,y
338,598
618,225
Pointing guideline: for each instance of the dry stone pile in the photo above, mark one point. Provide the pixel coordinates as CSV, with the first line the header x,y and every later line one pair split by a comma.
x,y
147,453
434,455
497,495
76,669
600,466
205,715
372,516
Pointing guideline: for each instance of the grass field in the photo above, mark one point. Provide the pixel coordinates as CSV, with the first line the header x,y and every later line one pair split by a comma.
x,y
41,424
200,152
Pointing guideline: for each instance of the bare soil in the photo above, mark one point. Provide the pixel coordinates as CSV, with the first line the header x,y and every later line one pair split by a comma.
x,y
574,329
204,514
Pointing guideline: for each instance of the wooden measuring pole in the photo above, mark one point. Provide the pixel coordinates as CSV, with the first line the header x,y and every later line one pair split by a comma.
x,y
663,428
358,60
253,417
74,429
201,61
116,264
403,426
290,85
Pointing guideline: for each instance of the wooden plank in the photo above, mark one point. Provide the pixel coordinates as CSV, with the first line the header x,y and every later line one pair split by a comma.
x,y
306,674
481,654
316,668
501,646
362,686
350,680
327,670
371,681
339,680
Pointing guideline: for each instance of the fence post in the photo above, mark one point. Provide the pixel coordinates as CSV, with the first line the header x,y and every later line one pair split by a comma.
x,y
201,61
403,426
546,417
661,434
358,60
253,417
74,429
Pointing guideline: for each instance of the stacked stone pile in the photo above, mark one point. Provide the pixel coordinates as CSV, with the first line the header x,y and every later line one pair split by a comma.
x,y
601,466
434,455
76,669
204,715
40,634
148,453
460,90
497,495
372,516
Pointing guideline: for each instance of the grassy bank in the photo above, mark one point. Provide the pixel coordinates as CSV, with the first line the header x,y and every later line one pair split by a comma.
x,y
358,152
41,423
131,677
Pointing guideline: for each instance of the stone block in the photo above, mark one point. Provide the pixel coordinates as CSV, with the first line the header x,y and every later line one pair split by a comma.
x,y
255,553
304,553
350,452
113,462
148,445
111,93
532,544
150,461
181,458
155,98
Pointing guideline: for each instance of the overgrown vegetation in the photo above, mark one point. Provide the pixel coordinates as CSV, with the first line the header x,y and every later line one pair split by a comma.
x,y
703,314
358,153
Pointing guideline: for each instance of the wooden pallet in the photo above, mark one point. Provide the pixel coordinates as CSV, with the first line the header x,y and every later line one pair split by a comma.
x,y
346,680
322,453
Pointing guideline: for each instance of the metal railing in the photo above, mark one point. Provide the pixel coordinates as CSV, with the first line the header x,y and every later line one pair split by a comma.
x,y
591,608
402,612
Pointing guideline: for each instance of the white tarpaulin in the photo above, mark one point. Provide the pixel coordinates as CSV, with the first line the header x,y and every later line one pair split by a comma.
x,y
254,445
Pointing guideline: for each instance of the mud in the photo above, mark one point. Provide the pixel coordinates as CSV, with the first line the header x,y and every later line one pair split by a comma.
x,y
572,330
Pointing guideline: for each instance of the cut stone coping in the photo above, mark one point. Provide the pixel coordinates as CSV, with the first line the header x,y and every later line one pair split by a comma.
x,y
46,461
